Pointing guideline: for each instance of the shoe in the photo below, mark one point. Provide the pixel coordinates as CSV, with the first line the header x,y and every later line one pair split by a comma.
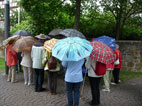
x,y
14,81
29,84
119,81
113,83
8,80
42,89
52,93
106,90
25,83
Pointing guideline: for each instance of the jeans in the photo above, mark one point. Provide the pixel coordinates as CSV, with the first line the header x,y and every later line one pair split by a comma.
x,y
73,93
38,78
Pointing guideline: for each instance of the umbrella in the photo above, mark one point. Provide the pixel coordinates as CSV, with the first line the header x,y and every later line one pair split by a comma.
x,y
1,46
48,45
24,44
102,53
109,41
72,33
55,32
72,49
22,33
6,41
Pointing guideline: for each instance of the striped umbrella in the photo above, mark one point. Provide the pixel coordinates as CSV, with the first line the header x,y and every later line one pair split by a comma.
x,y
102,53
48,45
72,33
72,49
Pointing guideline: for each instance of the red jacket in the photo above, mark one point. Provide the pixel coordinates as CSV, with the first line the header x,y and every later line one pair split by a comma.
x,y
11,56
118,55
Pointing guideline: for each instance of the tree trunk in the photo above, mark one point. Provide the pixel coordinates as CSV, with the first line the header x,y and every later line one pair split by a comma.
x,y
77,14
118,29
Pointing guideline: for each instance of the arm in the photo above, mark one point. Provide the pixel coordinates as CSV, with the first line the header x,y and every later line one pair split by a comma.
x,y
64,64
44,59
87,63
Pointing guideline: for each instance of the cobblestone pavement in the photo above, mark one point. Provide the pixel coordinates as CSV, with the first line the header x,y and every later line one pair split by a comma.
x,y
17,94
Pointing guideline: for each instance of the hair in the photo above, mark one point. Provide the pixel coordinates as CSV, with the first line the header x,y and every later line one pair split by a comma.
x,y
11,42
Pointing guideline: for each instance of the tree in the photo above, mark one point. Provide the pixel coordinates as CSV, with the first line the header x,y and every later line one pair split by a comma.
x,y
122,10
49,14
77,14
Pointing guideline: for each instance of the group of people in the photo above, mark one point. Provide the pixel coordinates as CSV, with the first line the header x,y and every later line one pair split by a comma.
x,y
37,60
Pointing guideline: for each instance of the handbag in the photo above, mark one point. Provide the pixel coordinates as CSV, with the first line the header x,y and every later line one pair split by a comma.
x,y
117,61
100,68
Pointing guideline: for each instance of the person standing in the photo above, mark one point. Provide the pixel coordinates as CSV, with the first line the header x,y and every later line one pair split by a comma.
x,y
94,79
52,73
27,67
37,54
117,67
107,77
11,57
73,79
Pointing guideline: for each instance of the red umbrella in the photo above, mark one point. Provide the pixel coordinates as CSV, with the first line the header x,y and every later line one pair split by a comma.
x,y
102,53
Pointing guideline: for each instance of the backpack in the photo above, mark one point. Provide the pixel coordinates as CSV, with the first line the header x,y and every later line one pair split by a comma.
x,y
100,68
52,63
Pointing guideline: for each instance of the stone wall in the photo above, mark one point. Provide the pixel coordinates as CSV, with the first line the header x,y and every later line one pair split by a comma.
x,y
131,55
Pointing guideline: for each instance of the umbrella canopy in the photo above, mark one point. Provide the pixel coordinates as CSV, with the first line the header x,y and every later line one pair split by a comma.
x,y
22,33
24,44
55,32
48,45
6,41
72,49
102,53
109,41
1,46
72,33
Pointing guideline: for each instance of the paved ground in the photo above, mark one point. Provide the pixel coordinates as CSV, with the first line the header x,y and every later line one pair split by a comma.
x,y
17,94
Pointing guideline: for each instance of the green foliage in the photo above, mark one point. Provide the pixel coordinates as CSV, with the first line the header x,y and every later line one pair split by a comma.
x,y
2,64
122,10
45,15
96,24
1,14
48,15
27,25
14,17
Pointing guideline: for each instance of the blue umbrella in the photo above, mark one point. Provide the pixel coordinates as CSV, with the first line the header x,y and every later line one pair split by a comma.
x,y
72,49
109,41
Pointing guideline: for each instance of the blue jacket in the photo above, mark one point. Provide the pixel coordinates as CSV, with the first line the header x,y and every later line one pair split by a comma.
x,y
74,71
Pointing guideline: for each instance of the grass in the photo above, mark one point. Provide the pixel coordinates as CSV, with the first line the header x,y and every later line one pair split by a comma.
x,y
125,75
2,64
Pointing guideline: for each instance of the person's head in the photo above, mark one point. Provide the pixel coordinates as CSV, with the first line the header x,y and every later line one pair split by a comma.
x,y
117,46
41,37
11,42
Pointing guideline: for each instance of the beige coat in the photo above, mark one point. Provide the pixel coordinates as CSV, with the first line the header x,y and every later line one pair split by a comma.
x,y
26,59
